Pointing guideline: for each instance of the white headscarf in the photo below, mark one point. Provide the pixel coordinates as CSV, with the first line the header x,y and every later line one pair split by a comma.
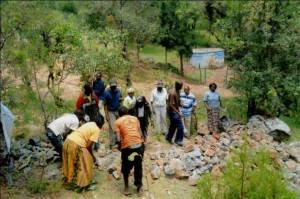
x,y
7,120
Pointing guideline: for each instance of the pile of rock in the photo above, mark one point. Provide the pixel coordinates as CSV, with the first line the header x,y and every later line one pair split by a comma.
x,y
209,153
34,153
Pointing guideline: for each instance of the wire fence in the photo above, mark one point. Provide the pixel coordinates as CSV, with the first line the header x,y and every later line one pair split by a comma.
x,y
207,73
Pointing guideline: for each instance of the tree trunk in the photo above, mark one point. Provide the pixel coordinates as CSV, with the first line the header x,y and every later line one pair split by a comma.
x,y
181,63
251,107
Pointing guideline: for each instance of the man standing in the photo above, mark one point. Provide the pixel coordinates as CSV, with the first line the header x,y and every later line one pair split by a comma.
x,y
58,130
130,101
130,140
158,99
6,124
99,88
174,114
188,102
112,101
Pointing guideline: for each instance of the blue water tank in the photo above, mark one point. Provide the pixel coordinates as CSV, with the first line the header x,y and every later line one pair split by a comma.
x,y
207,57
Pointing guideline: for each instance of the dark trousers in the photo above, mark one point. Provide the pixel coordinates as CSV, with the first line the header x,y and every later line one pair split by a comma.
x,y
175,123
137,163
57,141
144,127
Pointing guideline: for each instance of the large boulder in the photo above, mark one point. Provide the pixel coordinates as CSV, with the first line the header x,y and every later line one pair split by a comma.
x,y
275,127
294,151
225,124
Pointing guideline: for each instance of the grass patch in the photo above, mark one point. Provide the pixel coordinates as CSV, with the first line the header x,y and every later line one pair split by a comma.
x,y
157,53
232,105
236,108
195,76
294,124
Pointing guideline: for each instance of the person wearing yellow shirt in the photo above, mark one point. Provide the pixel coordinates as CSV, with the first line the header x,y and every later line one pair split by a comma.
x,y
78,158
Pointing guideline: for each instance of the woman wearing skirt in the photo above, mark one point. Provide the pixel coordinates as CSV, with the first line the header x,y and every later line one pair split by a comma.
x,y
213,103
78,159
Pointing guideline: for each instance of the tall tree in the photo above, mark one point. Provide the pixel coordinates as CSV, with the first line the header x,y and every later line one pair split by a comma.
x,y
178,22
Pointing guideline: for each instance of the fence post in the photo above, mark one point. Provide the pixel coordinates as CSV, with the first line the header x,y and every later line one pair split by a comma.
x,y
200,74
205,75
226,75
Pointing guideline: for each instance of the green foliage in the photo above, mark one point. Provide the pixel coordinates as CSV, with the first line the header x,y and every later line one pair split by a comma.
x,y
294,124
261,40
35,186
249,173
177,27
69,7
232,105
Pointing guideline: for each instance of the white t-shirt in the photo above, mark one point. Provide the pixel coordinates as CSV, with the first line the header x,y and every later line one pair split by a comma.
x,y
141,112
159,98
129,102
63,124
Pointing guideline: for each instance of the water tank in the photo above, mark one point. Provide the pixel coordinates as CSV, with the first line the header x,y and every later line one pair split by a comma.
x,y
208,57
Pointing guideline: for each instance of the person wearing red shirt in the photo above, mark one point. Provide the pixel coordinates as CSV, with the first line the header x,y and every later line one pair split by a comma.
x,y
88,102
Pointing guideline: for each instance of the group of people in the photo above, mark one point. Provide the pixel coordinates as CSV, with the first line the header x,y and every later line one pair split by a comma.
x,y
74,135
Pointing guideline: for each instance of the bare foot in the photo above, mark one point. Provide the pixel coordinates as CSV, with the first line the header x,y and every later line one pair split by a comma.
x,y
126,192
140,191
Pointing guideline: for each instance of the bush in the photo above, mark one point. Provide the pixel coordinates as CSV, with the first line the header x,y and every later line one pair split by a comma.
x,y
250,174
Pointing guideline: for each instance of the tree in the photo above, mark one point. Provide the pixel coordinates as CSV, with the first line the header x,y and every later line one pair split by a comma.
x,y
178,22
262,43
140,24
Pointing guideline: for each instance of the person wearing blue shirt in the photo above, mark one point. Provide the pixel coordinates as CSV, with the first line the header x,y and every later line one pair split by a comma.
x,y
188,102
212,101
99,87
112,101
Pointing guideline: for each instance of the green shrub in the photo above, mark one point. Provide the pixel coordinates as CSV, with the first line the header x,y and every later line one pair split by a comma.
x,y
250,174
233,104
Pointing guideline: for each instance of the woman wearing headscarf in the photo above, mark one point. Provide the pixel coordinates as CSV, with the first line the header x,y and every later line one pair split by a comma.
x,y
143,113
212,101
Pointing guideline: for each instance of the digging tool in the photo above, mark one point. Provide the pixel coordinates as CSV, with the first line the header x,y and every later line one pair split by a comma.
x,y
185,131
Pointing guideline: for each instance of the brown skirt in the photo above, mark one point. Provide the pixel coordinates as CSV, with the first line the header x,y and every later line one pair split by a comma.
x,y
213,120
77,164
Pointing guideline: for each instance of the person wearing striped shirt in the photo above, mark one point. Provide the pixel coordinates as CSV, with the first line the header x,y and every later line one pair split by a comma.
x,y
188,102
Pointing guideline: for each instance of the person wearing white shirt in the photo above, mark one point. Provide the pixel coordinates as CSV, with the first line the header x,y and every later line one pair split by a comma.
x,y
58,130
158,99
130,101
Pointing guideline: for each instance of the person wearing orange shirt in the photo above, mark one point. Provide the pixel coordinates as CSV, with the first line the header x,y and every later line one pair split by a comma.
x,y
78,158
131,143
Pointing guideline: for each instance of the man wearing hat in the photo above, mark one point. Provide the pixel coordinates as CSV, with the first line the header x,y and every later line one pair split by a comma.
x,y
112,101
130,101
158,99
